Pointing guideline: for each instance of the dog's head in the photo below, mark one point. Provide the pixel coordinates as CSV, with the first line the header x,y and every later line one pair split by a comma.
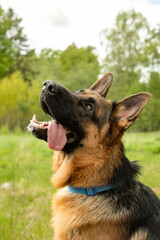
x,y
85,114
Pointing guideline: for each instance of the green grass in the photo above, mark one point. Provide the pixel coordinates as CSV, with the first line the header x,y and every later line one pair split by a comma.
x,y
26,162
25,206
145,147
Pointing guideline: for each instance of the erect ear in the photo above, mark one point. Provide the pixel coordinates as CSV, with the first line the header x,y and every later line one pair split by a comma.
x,y
128,109
103,84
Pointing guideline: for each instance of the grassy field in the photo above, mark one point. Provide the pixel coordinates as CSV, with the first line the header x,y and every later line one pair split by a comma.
x,y
25,189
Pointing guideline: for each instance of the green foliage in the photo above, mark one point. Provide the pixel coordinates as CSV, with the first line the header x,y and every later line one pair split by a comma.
x,y
13,100
15,54
19,101
132,54
74,67
18,130
4,130
6,51
124,43
132,49
34,104
48,66
72,56
80,67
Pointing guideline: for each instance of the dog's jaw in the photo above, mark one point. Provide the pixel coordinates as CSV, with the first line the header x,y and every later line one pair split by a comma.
x,y
38,129
52,132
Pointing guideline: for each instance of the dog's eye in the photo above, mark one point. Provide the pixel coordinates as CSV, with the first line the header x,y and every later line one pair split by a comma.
x,y
89,106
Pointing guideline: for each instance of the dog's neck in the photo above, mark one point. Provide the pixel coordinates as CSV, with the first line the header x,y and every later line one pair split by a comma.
x,y
93,168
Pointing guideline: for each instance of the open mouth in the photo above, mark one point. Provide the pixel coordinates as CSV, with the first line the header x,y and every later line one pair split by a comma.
x,y
53,132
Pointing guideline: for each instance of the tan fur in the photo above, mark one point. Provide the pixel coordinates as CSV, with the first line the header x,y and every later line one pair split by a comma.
x,y
62,176
58,160
86,217
140,235
96,170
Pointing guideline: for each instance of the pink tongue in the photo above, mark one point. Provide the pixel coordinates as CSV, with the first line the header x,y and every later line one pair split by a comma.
x,y
56,136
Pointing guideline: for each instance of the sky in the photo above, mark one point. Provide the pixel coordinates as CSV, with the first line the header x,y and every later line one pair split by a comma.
x,y
58,23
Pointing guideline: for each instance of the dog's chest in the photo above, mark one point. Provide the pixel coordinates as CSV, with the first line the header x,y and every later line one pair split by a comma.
x,y
76,216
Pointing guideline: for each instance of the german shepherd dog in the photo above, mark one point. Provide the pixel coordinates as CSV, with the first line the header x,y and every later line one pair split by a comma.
x,y
100,197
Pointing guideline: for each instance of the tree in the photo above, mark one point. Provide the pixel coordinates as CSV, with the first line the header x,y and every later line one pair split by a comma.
x,y
74,67
14,50
13,100
124,46
80,67
48,65
19,101
133,55
6,51
154,89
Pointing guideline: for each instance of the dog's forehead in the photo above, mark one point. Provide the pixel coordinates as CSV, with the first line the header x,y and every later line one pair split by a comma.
x,y
86,93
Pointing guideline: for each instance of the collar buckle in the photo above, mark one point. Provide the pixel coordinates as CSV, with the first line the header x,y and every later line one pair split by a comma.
x,y
90,191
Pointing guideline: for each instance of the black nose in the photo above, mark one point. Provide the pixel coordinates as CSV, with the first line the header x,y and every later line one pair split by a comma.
x,y
50,86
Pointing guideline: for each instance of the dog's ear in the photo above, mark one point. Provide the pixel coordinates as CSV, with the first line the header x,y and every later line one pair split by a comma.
x,y
103,84
128,109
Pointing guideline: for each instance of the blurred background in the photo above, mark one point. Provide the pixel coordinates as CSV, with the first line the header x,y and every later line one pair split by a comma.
x,y
73,43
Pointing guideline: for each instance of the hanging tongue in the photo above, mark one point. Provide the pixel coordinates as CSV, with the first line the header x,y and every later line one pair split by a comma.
x,y
56,136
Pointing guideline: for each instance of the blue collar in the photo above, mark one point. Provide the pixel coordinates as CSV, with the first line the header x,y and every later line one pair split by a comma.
x,y
90,191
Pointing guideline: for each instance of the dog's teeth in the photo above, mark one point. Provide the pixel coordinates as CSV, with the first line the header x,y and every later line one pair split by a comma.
x,y
34,118
42,124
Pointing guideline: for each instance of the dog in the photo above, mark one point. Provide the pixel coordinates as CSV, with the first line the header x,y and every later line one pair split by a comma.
x,y
100,197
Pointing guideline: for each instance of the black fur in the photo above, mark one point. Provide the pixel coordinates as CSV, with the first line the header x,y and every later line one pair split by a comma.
x,y
138,200
61,106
